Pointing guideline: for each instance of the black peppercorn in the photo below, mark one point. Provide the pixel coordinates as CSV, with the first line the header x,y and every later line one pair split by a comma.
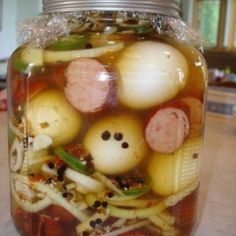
x,y
65,195
85,233
106,135
110,194
92,224
51,165
98,221
61,170
118,136
88,46
97,204
125,145
195,155
60,178
49,181
105,204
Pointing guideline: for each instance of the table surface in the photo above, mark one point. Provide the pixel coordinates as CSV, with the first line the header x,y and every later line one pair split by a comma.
x,y
218,188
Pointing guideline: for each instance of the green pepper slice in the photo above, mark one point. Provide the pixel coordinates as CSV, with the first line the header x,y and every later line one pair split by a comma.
x,y
143,29
71,160
69,43
20,66
138,29
136,191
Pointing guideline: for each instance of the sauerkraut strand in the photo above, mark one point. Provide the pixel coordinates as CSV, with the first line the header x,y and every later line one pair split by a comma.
x,y
84,182
57,198
21,178
16,155
39,160
156,209
127,229
137,203
33,157
174,199
108,183
119,223
89,183
47,170
167,217
124,198
25,165
90,199
142,203
86,225
160,223
81,189
175,233
15,130
140,213
29,206
41,141
158,231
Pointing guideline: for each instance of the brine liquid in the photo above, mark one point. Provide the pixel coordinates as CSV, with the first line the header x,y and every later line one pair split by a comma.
x,y
35,165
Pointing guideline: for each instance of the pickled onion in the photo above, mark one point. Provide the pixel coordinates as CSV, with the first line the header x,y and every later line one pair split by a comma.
x,y
52,57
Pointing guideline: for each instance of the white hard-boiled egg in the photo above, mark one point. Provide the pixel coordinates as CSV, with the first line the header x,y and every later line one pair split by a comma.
x,y
170,174
49,113
150,73
116,144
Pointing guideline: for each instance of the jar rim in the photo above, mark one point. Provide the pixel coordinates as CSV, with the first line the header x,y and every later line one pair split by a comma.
x,y
164,7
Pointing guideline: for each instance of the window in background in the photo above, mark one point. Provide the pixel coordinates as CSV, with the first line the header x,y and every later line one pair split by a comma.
x,y
208,19
230,26
215,20
0,15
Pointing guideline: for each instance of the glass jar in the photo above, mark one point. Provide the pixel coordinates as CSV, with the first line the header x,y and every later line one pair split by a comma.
x,y
106,117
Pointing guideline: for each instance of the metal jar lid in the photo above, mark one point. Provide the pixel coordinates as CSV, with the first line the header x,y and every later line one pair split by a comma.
x,y
165,7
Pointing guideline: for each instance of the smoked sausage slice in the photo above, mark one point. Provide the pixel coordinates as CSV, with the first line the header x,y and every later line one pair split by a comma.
x,y
196,109
88,85
167,129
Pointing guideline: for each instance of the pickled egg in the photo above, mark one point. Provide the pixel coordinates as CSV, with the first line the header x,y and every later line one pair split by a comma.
x,y
116,144
172,173
49,113
150,73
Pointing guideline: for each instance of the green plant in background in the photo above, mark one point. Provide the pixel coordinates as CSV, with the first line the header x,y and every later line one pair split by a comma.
x,y
208,20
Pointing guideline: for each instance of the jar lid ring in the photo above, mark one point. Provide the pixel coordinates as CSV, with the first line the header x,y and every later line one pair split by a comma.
x,y
165,7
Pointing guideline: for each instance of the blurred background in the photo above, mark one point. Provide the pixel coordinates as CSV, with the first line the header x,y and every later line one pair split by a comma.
x,y
214,19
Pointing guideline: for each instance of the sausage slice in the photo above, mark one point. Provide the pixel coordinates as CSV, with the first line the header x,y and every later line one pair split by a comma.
x,y
167,130
196,109
88,85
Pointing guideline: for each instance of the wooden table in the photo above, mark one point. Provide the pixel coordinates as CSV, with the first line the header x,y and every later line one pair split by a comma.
x,y
218,195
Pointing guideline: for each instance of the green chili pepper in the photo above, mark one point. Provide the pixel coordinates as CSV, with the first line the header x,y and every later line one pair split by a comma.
x,y
70,43
70,160
143,29
19,65
136,191
140,29
26,69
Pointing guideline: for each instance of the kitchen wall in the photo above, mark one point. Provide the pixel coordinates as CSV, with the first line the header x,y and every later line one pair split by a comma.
x,y
13,12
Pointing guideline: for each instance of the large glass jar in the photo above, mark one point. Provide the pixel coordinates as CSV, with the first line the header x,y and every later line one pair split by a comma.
x,y
106,117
